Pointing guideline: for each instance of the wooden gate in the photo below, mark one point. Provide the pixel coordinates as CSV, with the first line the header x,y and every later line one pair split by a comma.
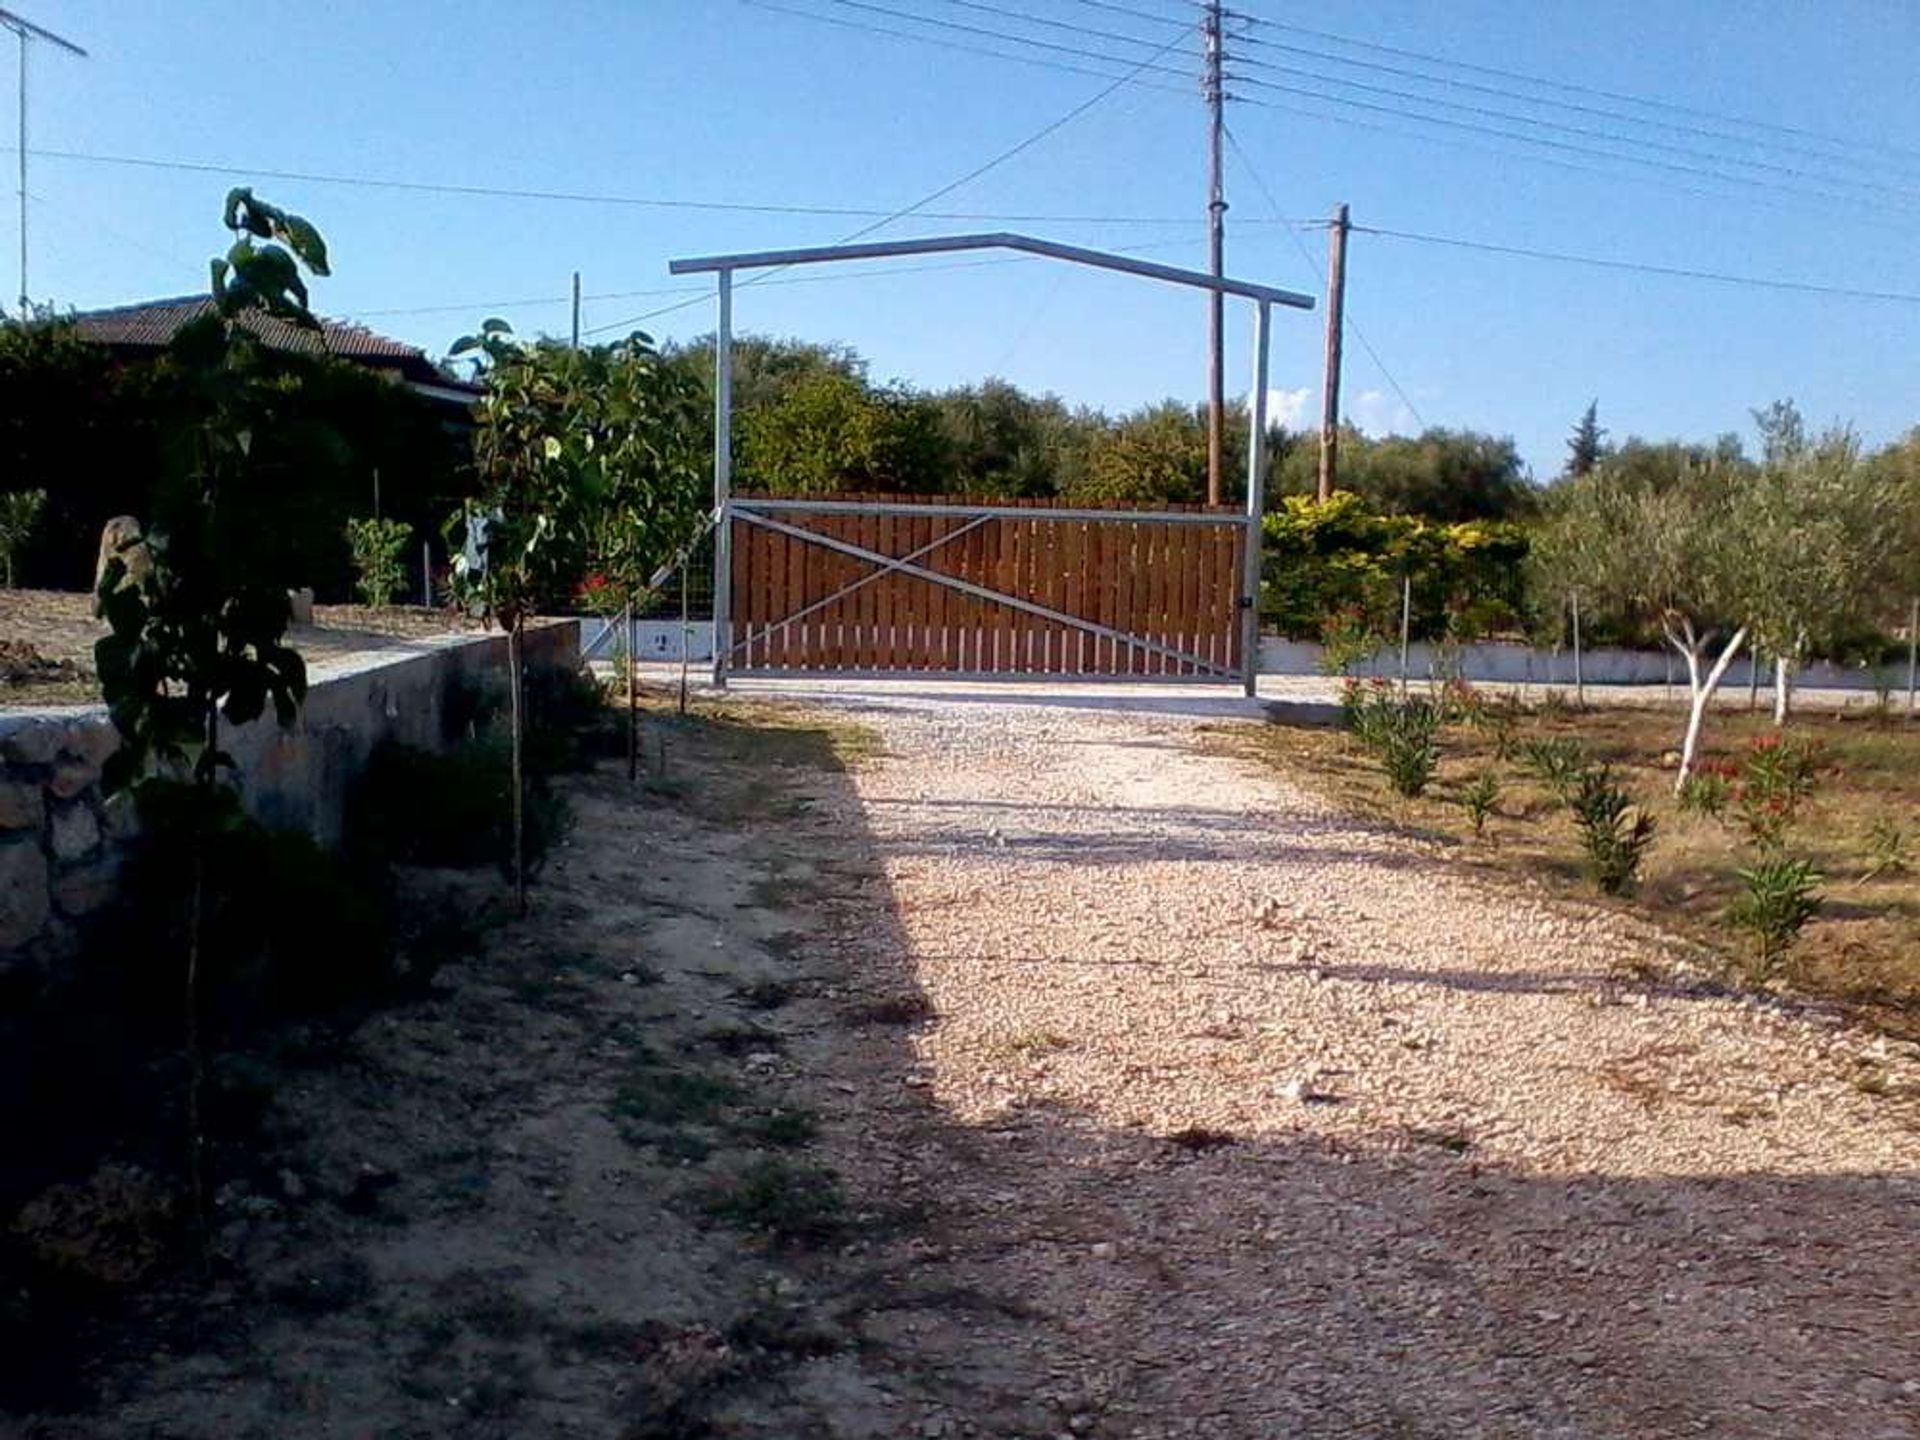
x,y
891,584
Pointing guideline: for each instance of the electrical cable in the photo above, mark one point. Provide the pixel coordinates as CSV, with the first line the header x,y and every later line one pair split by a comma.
x,y
761,276
1273,203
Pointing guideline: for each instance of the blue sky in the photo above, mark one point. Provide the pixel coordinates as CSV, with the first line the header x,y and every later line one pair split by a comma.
x,y
723,101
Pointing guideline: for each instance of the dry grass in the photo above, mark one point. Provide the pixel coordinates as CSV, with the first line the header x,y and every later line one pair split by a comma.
x,y
1864,947
47,638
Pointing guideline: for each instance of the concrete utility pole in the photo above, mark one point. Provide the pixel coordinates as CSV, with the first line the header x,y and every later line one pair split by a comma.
x,y
1211,27
1330,383
25,30
576,309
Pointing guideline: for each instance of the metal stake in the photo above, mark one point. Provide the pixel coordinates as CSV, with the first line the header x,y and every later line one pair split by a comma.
x,y
1256,501
723,483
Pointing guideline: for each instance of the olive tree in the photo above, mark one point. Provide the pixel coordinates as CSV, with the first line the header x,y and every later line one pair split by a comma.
x,y
1820,534
1672,555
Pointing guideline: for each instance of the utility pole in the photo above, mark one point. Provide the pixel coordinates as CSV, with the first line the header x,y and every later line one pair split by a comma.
x,y
576,309
25,31
1330,383
1215,89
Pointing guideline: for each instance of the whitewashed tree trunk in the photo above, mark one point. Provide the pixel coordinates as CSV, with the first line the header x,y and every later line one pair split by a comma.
x,y
1701,687
1782,689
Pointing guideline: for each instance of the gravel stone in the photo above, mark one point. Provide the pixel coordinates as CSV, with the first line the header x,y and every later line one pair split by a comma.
x,y
1720,1221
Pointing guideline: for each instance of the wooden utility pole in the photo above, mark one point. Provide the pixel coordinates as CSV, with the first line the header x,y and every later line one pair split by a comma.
x,y
1216,255
1330,384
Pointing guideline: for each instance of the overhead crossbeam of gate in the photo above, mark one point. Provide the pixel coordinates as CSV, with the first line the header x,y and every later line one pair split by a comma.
x,y
1263,297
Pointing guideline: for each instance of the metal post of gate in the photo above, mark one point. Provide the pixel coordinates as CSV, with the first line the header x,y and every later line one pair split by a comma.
x,y
1256,501
723,482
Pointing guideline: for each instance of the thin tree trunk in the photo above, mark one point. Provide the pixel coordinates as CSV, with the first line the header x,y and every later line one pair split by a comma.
x,y
517,700
1782,689
686,643
633,705
1701,689
1753,681
206,774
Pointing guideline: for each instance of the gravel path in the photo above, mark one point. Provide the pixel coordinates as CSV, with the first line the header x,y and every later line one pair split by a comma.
x,y
1274,1125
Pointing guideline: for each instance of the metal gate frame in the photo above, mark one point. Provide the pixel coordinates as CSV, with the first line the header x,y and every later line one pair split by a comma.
x,y
760,510
727,508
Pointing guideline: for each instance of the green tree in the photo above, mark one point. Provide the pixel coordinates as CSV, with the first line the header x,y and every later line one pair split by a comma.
x,y
379,558
829,433
19,513
1586,447
1673,555
1823,537
198,638
522,538
643,476
1448,475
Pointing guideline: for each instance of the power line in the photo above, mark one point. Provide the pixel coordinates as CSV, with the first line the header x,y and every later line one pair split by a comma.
x,y
961,47
1021,146
1001,35
1582,131
1138,14
1027,18
1563,146
1575,88
706,292
369,182
1678,272
1574,106
1273,203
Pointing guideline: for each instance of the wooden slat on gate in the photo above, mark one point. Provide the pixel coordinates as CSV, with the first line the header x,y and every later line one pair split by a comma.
x,y
1172,583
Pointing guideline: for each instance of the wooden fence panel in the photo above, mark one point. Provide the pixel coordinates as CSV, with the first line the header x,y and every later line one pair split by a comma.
x,y
1172,583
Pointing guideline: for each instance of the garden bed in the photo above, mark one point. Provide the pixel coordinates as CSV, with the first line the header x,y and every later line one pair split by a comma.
x,y
47,638
1862,948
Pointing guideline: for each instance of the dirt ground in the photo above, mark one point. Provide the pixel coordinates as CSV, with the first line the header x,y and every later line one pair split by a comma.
x,y
1019,1071
47,637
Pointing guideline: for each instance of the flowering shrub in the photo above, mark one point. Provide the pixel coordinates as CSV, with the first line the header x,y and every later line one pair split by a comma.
x,y
1707,790
1776,775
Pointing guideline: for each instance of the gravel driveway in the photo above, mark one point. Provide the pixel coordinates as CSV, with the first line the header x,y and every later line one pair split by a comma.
x,y
1270,1124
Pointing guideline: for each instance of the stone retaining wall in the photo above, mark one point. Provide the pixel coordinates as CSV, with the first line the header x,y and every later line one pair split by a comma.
x,y
62,842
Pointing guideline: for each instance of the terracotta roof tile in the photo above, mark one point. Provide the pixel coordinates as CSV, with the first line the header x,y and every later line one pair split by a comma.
x,y
152,324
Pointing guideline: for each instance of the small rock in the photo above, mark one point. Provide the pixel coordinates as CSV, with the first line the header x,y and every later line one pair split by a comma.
x,y
1103,1250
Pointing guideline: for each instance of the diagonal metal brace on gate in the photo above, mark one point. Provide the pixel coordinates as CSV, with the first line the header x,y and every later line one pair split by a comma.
x,y
982,592
892,566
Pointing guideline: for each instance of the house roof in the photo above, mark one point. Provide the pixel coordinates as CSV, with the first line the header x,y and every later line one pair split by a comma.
x,y
152,324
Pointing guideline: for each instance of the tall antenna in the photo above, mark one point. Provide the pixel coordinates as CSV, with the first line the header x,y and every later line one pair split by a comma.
x,y
26,31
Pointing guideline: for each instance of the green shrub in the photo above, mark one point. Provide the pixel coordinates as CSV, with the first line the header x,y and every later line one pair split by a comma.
x,y
1707,790
1777,774
1556,761
1779,895
1614,832
1481,797
1886,849
1402,736
449,808
794,1203
19,513
379,550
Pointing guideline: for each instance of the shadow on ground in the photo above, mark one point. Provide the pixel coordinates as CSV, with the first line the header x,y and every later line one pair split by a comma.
x,y
667,1162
